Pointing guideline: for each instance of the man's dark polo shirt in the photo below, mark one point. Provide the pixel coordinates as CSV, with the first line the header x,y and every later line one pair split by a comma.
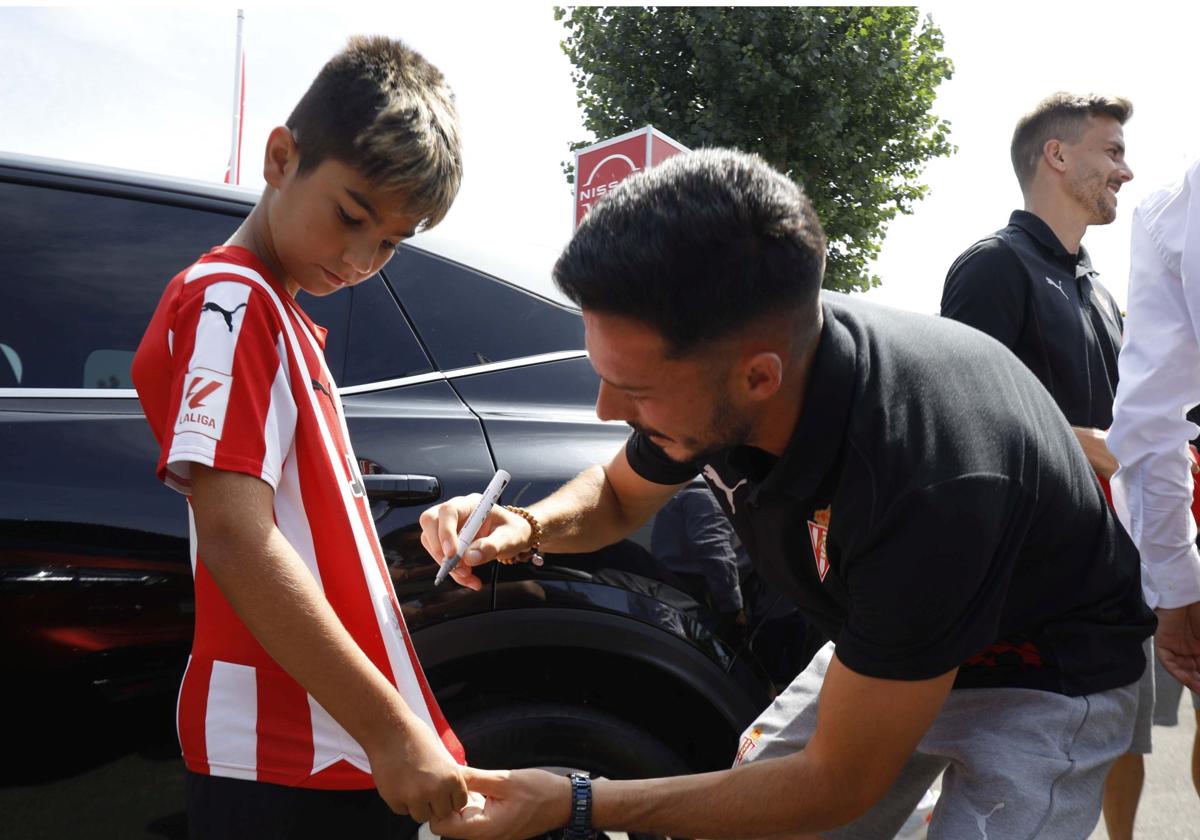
x,y
961,525
1021,287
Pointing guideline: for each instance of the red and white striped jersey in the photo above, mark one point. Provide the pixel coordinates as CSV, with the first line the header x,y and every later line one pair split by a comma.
x,y
231,374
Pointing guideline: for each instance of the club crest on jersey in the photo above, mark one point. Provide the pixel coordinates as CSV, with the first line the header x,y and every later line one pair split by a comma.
x,y
749,743
205,398
818,532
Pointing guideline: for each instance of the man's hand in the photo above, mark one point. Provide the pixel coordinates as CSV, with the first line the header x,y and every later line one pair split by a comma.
x,y
416,776
502,535
520,803
1177,643
1095,448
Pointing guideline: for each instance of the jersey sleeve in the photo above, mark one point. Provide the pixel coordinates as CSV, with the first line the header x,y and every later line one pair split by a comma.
x,y
649,461
985,290
928,583
231,405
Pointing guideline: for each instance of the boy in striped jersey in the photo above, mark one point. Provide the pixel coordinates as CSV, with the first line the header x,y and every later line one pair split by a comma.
x,y
303,692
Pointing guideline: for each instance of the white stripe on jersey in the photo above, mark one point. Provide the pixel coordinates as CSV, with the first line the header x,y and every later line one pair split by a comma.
x,y
231,741
281,413
332,743
207,383
192,537
379,587
292,519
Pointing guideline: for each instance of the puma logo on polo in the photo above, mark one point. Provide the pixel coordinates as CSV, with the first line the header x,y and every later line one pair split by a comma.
x,y
712,475
981,820
226,314
1058,285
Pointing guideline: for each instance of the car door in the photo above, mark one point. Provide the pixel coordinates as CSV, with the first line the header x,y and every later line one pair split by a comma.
x,y
95,576
415,441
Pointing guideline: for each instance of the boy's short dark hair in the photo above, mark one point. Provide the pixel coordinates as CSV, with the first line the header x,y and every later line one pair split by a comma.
x,y
704,246
383,109
1062,116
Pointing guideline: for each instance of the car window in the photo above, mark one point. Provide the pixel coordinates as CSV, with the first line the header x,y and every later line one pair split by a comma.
x,y
466,318
82,275
369,338
333,313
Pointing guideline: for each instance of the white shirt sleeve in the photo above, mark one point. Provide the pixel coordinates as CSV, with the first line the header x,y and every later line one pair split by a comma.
x,y
1159,382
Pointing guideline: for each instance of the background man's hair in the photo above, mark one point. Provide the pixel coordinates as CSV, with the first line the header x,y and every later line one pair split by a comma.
x,y
1060,116
701,247
387,112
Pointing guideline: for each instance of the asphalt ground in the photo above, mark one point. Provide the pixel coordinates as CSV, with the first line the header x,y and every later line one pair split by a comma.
x,y
117,774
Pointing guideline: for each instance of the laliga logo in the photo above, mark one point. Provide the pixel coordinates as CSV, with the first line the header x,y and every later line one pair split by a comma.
x,y
618,166
202,407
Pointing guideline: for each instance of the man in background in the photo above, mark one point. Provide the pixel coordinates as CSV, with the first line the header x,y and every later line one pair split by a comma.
x,y
1031,286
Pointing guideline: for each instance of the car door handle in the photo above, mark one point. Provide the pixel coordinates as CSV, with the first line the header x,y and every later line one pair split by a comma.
x,y
401,490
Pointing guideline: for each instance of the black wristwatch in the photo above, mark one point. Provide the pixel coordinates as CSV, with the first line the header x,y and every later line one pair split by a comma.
x,y
579,827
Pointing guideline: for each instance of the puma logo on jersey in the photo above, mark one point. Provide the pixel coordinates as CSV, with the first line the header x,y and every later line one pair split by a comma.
x,y
1058,285
712,475
225,313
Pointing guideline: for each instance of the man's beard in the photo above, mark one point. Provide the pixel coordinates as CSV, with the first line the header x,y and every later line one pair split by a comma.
x,y
1091,191
727,429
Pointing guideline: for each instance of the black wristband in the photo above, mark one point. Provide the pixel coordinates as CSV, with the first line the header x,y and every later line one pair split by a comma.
x,y
579,827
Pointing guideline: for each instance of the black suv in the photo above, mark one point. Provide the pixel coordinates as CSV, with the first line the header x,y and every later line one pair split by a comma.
x,y
601,661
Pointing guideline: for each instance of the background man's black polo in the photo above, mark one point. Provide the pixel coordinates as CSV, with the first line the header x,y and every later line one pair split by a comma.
x,y
1024,289
933,510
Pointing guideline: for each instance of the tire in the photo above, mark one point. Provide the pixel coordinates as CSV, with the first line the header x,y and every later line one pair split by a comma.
x,y
565,737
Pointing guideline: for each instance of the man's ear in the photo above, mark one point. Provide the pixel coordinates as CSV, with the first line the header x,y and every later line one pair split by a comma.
x,y
1052,154
282,156
763,375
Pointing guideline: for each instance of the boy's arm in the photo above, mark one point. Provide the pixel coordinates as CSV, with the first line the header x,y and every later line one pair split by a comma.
x,y
866,730
274,594
598,507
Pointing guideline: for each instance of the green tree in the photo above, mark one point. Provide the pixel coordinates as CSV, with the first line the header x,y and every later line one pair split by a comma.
x,y
837,98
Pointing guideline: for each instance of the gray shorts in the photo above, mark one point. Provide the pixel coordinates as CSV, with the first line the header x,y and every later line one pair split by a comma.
x,y
1019,763
1147,703
1167,691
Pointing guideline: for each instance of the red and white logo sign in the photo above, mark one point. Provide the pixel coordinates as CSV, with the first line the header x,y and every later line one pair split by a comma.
x,y
749,743
600,167
205,398
818,532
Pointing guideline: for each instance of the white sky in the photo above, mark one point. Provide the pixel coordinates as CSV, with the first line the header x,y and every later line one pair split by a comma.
x,y
150,88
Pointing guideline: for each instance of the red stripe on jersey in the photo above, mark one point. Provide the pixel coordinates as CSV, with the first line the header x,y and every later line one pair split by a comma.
x,y
192,714
220,633
285,747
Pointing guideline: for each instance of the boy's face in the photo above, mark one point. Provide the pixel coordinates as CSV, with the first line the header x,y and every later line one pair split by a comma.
x,y
331,228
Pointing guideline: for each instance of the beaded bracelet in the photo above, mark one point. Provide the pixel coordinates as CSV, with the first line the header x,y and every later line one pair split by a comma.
x,y
533,553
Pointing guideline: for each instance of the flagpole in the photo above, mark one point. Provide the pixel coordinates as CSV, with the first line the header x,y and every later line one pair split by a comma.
x,y
233,175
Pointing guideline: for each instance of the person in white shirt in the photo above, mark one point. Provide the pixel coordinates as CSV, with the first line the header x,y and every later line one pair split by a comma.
x,y
1159,382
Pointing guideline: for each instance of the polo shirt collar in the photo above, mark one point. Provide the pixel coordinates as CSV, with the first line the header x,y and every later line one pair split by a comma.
x,y
817,439
1041,232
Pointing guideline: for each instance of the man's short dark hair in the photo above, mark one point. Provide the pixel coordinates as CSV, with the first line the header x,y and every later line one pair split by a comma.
x,y
701,247
382,109
1060,116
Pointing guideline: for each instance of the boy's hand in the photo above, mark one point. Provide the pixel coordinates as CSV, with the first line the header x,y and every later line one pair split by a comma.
x,y
503,534
520,803
416,776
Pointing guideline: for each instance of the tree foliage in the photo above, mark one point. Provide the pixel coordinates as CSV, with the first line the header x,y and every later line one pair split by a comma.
x,y
838,98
